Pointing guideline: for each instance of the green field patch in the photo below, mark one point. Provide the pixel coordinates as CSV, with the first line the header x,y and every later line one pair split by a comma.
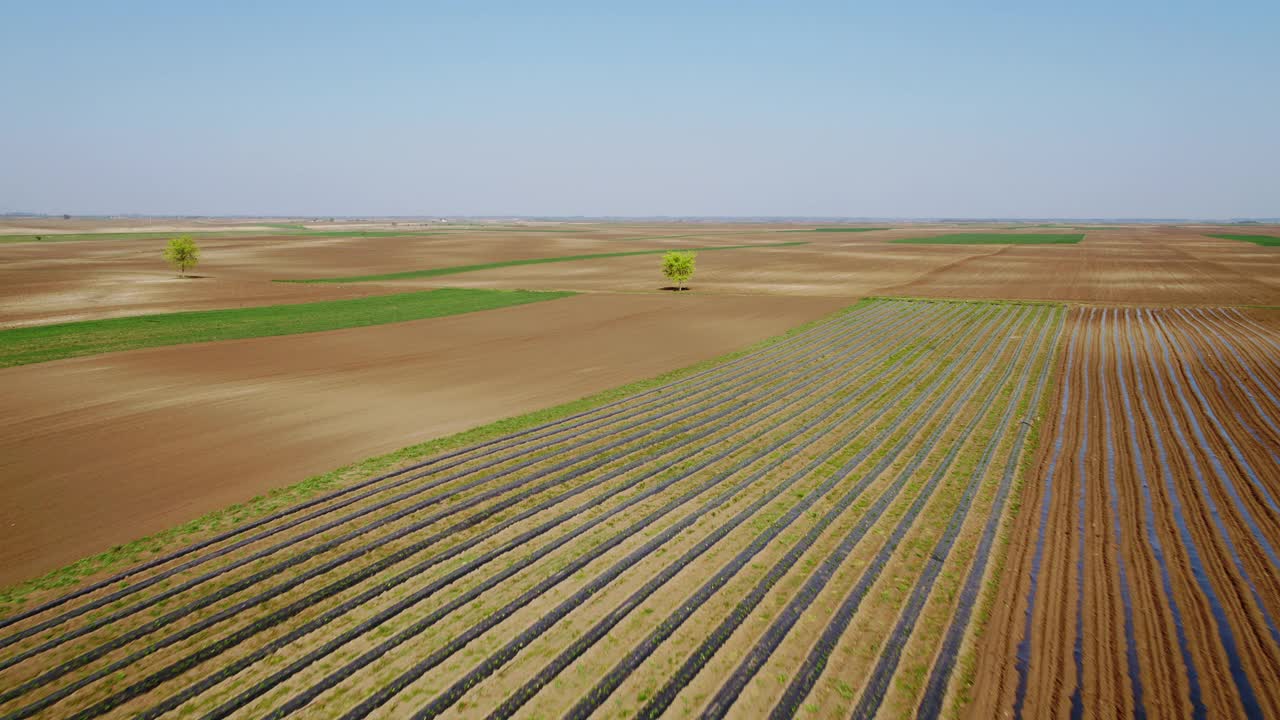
x,y
26,345
455,269
1263,240
995,239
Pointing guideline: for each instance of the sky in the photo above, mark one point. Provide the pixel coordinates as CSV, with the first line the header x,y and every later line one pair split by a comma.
x,y
858,109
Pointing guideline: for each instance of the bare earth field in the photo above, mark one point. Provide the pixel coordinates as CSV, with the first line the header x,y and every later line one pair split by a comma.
x,y
1138,265
98,450
1143,572
83,280
60,282
942,506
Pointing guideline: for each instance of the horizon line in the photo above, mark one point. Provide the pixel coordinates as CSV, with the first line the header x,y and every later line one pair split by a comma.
x,y
314,217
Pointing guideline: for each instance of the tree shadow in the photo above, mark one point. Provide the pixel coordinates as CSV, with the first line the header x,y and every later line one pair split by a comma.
x,y
673,288
193,277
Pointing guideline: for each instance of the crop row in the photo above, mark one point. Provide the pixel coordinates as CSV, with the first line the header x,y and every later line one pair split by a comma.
x,y
931,702
800,602
313,551
717,387
717,381
604,626
436,586
843,331
878,683
725,496
807,674
484,574
1182,568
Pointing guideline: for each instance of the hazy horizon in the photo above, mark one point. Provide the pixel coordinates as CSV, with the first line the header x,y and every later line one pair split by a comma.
x,y
998,110
322,217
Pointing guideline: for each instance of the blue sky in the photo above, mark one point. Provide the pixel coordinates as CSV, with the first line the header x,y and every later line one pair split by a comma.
x,y
894,109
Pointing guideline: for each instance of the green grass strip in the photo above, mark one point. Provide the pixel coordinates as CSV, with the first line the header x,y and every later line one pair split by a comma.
x,y
26,345
1263,240
995,239
455,269
222,520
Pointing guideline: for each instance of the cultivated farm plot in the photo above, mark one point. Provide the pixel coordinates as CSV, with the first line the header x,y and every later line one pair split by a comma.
x,y
807,527
1146,578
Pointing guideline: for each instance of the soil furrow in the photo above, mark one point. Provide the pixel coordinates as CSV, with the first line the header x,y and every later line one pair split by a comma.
x,y
1178,530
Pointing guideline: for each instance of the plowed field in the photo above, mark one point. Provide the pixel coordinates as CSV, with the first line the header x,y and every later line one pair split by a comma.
x,y
805,527
1146,576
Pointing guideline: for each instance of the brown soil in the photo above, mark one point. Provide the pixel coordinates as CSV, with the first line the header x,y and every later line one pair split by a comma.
x,y
1140,265
81,280
100,450
1106,688
58,282
1134,265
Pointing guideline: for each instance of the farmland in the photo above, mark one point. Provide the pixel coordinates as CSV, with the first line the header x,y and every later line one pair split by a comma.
x,y
19,346
496,471
1144,580
1264,240
722,543
84,471
89,280
454,270
694,361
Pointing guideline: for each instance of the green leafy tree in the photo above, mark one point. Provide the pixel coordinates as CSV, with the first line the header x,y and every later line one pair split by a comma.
x,y
678,266
182,253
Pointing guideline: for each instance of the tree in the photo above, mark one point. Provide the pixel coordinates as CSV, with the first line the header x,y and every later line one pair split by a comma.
x,y
182,253
678,266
